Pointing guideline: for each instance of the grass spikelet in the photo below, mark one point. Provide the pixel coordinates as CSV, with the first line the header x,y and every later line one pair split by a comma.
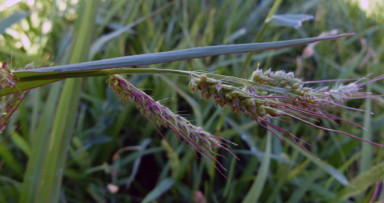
x,y
9,103
292,99
202,141
7,80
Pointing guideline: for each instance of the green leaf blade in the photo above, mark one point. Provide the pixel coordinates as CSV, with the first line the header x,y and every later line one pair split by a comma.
x,y
179,55
162,187
12,19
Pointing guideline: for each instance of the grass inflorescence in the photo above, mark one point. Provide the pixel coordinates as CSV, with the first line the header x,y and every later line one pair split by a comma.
x,y
9,103
269,95
292,100
201,140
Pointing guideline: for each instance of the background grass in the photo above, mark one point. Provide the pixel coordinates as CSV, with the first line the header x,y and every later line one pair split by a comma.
x,y
113,145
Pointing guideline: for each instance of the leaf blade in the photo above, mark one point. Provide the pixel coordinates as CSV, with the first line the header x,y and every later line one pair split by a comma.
x,y
162,187
178,55
12,19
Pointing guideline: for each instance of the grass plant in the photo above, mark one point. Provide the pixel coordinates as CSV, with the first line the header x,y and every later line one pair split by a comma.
x,y
77,141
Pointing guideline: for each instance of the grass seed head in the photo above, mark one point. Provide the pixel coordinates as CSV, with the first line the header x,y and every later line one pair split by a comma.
x,y
201,140
296,101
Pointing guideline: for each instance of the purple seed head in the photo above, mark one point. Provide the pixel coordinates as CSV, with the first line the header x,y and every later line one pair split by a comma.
x,y
303,104
200,140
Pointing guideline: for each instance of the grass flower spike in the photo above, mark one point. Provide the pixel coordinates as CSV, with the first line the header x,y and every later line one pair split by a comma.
x,y
202,141
281,95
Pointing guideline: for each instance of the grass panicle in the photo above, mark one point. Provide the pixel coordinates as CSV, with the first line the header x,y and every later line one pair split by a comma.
x,y
201,140
298,102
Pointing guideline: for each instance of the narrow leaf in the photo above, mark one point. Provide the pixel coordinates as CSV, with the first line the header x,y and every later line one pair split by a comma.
x,y
363,181
38,147
47,175
186,54
289,20
254,193
162,187
12,19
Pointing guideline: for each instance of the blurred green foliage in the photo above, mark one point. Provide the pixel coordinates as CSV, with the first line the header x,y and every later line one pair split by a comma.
x,y
116,155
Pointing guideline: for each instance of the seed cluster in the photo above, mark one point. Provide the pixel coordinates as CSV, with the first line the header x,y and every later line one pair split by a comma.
x,y
9,103
277,79
240,100
202,141
296,101
294,88
7,80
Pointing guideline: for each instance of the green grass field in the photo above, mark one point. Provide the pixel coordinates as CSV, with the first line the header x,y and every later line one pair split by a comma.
x,y
77,141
